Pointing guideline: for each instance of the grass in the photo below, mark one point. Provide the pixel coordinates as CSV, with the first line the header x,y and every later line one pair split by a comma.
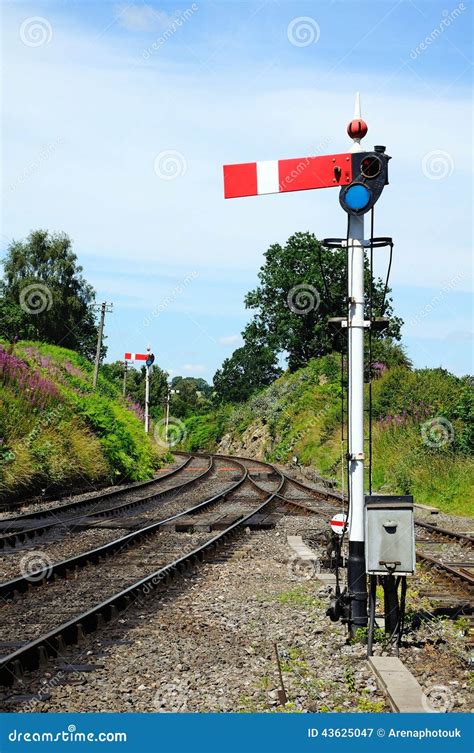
x,y
56,431
423,429
299,597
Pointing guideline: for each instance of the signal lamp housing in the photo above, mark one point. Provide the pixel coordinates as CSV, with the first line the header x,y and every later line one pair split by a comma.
x,y
369,177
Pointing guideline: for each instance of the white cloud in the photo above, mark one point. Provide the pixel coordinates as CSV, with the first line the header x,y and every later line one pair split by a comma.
x,y
112,113
229,340
142,18
460,335
194,368
101,187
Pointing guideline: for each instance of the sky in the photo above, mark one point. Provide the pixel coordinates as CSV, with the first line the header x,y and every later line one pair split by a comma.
x,y
118,117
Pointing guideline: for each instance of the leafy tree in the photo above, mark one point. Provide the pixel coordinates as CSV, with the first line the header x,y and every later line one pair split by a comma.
x,y
302,285
250,368
136,379
114,372
44,295
191,396
136,384
388,354
199,383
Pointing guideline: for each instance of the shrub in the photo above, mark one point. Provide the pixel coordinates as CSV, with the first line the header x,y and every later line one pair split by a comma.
x,y
56,430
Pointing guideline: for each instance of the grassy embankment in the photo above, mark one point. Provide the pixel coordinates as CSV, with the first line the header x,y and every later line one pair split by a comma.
x,y
422,429
55,431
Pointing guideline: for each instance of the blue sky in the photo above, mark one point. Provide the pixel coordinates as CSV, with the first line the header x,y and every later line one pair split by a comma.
x,y
117,120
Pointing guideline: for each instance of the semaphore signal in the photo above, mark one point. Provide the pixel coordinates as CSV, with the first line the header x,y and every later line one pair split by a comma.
x,y
149,359
361,177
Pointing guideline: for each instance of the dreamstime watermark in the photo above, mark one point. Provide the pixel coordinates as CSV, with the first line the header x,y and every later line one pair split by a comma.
x,y
169,433
303,568
303,298
437,164
437,432
170,298
36,298
437,299
437,699
170,164
303,31
46,420
70,735
302,165
36,31
45,154
36,566
449,17
171,29
44,691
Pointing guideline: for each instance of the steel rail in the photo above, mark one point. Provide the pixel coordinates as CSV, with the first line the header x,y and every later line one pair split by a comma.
x,y
34,653
462,537
24,535
63,568
326,494
337,496
459,572
58,509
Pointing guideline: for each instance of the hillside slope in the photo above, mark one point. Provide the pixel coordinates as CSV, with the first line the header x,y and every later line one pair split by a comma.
x,y
55,431
422,429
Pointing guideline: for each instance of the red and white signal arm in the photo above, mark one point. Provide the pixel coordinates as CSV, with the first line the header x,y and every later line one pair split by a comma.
x,y
338,523
136,356
281,176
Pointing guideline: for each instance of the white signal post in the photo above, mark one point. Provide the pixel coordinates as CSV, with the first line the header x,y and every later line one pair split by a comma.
x,y
345,172
149,358
147,395
356,575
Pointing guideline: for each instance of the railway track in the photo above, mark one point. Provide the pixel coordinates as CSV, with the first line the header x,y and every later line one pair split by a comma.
x,y
448,552
453,561
20,531
44,508
130,567
32,603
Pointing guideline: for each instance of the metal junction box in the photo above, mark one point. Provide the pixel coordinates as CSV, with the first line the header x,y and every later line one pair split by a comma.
x,y
389,535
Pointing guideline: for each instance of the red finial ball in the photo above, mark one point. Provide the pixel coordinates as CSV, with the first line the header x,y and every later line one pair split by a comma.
x,y
357,128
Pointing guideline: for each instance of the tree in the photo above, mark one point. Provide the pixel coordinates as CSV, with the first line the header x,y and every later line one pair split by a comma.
x,y
136,379
249,368
190,397
198,383
302,285
44,295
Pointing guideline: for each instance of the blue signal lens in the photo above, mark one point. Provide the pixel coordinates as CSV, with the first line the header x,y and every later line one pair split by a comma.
x,y
357,197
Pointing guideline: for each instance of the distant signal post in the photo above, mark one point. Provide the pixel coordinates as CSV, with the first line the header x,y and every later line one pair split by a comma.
x,y
149,359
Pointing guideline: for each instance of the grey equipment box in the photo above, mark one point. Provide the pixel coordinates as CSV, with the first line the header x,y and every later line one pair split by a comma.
x,y
389,535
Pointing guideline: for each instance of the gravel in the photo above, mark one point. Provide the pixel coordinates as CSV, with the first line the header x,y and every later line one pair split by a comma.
x,y
63,542
208,644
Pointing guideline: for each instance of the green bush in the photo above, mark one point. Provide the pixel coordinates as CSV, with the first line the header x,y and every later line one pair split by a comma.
x,y
61,431
422,431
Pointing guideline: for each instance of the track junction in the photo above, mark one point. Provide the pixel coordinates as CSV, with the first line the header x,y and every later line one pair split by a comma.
x,y
110,553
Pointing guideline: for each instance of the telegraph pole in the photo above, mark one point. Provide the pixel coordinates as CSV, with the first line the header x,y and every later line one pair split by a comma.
x,y
167,413
169,392
125,378
100,334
